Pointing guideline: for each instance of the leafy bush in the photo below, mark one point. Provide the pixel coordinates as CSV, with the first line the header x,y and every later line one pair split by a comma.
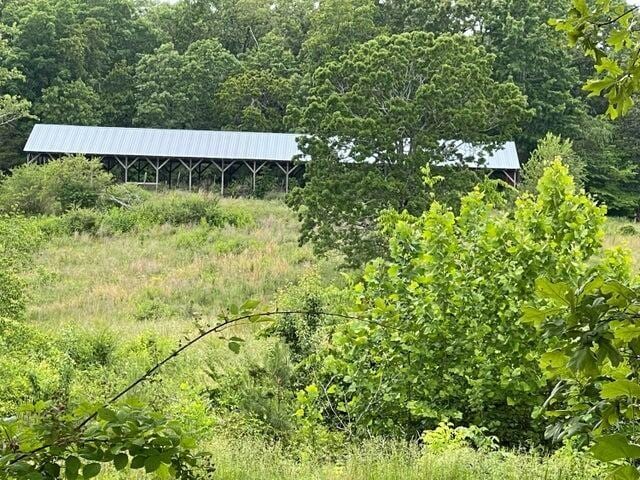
x,y
179,209
87,349
31,367
118,220
137,437
55,187
440,336
19,238
80,220
629,230
594,337
256,397
125,195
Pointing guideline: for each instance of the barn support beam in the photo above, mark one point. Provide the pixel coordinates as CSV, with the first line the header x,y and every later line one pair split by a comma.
x,y
190,167
223,168
254,168
512,178
288,169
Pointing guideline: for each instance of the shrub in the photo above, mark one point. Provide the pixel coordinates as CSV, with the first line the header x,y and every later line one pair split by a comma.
x,y
440,335
125,195
629,230
178,209
88,349
256,398
55,187
80,220
118,220
31,367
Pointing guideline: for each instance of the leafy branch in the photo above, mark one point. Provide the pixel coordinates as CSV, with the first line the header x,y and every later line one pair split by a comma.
x,y
175,461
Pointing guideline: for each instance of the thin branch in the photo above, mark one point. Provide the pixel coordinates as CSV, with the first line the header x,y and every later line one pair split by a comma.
x,y
614,20
216,329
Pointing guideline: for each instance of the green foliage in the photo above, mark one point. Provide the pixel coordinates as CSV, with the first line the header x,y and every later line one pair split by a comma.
x,y
382,105
439,337
593,336
550,148
255,398
178,90
19,239
255,100
54,188
606,30
179,209
137,439
32,368
70,103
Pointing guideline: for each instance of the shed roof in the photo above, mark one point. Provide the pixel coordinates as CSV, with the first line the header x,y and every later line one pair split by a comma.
x,y
201,144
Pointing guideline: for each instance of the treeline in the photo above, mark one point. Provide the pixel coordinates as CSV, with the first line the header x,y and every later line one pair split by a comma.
x,y
251,65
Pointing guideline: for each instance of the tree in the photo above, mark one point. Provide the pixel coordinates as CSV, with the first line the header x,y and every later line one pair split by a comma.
x,y
606,31
438,336
535,57
335,27
550,148
178,90
12,107
73,103
255,100
387,105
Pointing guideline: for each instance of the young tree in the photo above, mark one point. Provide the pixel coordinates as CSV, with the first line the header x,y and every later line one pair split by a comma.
x,y
12,107
550,148
386,106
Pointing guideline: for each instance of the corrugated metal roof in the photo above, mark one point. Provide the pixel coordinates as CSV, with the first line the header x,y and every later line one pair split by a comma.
x,y
151,142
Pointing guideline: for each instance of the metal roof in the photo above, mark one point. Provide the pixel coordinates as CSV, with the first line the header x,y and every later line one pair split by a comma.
x,y
201,144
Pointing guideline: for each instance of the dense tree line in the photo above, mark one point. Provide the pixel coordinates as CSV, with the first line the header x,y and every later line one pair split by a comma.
x,y
259,64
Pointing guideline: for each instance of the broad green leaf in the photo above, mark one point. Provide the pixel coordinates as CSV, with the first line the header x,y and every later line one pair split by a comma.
x,y
234,347
71,467
120,461
91,470
620,388
558,293
614,447
138,462
152,463
533,315
233,309
625,331
624,472
250,305
583,360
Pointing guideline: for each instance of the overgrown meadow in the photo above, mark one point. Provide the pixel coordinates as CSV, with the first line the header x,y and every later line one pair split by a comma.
x,y
101,282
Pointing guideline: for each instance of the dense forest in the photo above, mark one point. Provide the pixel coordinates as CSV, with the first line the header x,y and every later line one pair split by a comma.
x,y
396,315
260,64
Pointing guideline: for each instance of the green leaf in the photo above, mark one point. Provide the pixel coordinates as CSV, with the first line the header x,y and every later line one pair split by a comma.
x,y
620,388
533,315
558,293
233,309
71,467
624,472
138,462
107,415
250,305
152,463
234,347
583,360
120,461
614,447
91,470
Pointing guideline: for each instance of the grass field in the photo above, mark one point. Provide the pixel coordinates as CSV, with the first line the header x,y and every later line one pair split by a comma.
x,y
134,296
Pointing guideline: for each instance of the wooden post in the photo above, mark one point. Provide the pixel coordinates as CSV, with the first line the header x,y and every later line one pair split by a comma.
x,y
287,170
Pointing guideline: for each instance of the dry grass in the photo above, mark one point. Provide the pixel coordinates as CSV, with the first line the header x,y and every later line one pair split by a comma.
x,y
164,279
